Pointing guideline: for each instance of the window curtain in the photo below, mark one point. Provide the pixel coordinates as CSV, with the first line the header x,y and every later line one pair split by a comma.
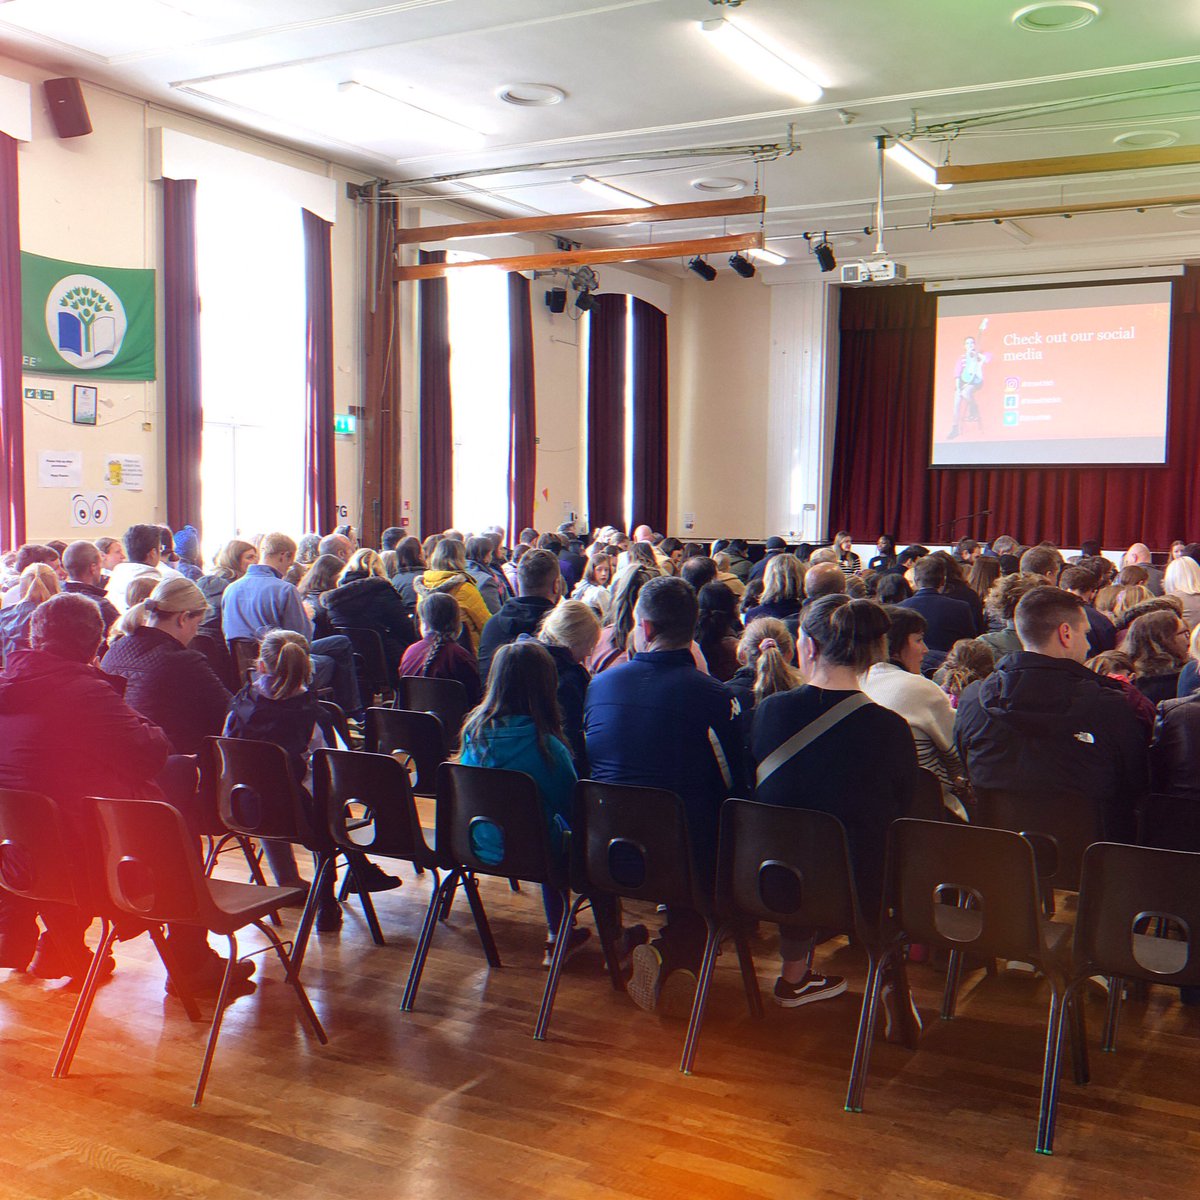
x,y
882,481
522,423
12,416
181,319
649,416
437,444
606,412
320,480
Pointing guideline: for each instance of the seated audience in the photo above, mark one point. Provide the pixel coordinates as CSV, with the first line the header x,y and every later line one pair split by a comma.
x,y
410,566
727,577
615,633
571,562
231,562
320,578
1189,676
1157,645
783,589
143,553
739,564
479,567
767,658
1102,634
439,654
188,562
823,579
539,581
985,570
774,547
1139,555
698,571
1042,560
592,589
37,584
364,599
885,558
111,552
337,544
969,660
843,546
447,573
718,629
891,587
569,632
1182,579
946,619
1176,748
25,557
957,588
1118,599
1117,665
84,565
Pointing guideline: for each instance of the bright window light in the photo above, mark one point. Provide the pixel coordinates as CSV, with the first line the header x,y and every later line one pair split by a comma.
x,y
914,164
754,54
606,191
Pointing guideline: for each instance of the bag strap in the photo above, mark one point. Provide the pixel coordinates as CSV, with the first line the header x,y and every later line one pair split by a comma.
x,y
809,734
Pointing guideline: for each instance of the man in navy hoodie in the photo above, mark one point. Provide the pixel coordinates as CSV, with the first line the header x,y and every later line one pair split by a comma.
x,y
658,721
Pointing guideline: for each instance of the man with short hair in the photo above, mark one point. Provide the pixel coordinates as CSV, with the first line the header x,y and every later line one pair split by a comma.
x,y
1043,723
946,619
825,579
572,563
337,545
262,600
1138,555
967,550
392,537
774,547
1042,560
1102,633
825,555
739,564
698,571
658,721
143,555
539,582
83,564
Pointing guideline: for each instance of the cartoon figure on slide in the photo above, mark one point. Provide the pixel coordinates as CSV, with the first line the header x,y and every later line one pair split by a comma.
x,y
968,379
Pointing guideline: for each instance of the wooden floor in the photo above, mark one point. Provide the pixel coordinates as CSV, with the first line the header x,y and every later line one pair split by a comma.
x,y
458,1100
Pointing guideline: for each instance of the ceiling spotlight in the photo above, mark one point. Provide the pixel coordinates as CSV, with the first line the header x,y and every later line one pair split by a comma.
x,y
707,273
823,252
585,301
914,164
743,266
771,257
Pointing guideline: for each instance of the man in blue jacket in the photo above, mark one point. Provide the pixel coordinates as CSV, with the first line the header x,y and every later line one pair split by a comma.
x,y
946,619
658,721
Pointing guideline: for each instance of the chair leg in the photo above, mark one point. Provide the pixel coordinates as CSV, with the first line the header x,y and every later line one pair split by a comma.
x,y
712,947
953,977
344,886
173,973
556,962
309,915
83,1006
215,1031
605,934
364,898
423,942
1112,1017
471,887
904,1001
1078,1031
749,975
866,1033
448,902
1050,1071
293,977
514,885
253,861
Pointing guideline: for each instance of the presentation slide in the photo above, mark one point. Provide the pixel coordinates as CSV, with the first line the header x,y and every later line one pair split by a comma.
x,y
1055,376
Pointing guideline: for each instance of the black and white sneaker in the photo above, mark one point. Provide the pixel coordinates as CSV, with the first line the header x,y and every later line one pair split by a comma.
x,y
646,982
809,990
576,939
893,1017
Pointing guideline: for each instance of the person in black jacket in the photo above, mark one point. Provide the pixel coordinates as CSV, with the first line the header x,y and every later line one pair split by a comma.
x,y
946,619
958,588
85,576
775,546
570,633
231,562
540,582
410,566
1043,723
364,599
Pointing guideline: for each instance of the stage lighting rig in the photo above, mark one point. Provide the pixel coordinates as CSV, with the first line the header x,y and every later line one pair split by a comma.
x,y
706,272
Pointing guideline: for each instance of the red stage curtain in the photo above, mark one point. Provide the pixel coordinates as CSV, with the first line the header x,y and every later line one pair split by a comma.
x,y
181,328
522,421
882,481
437,445
320,478
649,416
12,415
606,412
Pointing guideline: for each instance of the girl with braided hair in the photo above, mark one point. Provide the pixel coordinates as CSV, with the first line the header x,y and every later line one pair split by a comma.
x,y
439,654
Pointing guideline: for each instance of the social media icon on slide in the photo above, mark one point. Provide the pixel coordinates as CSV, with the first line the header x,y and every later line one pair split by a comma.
x,y
1011,401
1010,418
1011,383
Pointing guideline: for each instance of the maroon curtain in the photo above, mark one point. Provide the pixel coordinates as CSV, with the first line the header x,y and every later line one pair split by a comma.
x,y
12,416
522,421
437,444
649,416
882,481
181,318
606,412
320,478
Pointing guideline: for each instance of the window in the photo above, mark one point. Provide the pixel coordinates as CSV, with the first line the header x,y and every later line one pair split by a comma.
x,y
250,262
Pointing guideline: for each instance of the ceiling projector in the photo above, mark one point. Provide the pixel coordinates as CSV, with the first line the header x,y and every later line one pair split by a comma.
x,y
878,270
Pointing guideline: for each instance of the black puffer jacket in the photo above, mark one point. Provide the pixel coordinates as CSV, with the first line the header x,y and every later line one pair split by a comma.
x,y
573,681
372,603
1176,748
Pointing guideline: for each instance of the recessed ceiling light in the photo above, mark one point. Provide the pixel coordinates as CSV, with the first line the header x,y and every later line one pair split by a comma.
x,y
843,241
531,95
719,183
1146,139
1056,16
1190,212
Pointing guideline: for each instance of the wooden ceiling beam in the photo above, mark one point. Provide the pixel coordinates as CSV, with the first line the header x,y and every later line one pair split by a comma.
x,y
580,258
1062,210
699,210
1078,164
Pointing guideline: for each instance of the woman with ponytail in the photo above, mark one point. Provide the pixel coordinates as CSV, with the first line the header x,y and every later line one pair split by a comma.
x,y
439,654
767,653
37,584
859,764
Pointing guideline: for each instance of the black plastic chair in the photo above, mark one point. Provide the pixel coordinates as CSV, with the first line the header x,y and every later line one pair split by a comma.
x,y
792,866
258,798
334,717
37,865
1170,823
213,647
417,739
974,889
445,698
244,652
475,799
374,677
633,842
153,875
214,831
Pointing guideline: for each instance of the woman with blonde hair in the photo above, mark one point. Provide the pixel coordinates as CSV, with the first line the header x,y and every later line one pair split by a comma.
x,y
229,564
38,582
570,632
447,573
767,653
783,589
1182,579
1120,598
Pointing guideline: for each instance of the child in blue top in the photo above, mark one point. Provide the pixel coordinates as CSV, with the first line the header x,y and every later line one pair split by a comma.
x,y
518,727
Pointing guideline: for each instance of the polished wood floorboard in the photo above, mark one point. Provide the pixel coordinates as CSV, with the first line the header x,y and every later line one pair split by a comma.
x,y
457,1099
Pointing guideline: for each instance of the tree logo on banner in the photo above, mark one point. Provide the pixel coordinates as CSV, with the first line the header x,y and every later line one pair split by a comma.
x,y
85,320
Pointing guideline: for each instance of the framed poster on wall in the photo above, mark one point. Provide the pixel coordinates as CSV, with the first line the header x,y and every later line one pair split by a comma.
x,y
83,409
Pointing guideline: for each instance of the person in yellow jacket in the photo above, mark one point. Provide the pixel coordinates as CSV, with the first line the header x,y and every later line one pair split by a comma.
x,y
448,573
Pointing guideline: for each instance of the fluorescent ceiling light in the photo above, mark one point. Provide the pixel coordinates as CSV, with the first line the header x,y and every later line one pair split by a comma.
x,y
768,256
757,58
375,105
606,191
914,164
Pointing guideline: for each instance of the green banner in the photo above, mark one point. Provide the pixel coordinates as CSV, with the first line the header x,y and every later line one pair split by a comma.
x,y
87,321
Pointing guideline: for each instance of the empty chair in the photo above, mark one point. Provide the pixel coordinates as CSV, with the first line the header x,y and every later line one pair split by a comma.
x,y
374,676
153,875
633,842
972,889
333,717
1124,889
445,698
417,738
244,652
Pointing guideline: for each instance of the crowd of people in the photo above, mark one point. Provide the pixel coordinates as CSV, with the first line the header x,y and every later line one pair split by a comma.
x,y
803,678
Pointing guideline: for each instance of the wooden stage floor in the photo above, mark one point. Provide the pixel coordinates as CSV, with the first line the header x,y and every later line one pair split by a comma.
x,y
458,1100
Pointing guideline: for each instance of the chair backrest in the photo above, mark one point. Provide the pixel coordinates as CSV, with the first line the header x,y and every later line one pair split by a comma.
x,y
334,715
1170,823
927,803
1070,821
368,804
790,865
492,821
35,862
244,652
633,841
1124,889
416,736
965,887
151,866
256,794
445,698
213,647
373,675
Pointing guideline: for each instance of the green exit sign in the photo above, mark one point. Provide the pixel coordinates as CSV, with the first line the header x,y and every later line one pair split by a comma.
x,y
345,423
39,394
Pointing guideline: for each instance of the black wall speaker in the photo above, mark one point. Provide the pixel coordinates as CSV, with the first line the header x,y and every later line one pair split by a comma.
x,y
556,300
67,108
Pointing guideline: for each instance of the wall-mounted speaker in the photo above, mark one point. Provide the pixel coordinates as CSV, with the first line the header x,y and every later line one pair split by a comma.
x,y
67,108
556,299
